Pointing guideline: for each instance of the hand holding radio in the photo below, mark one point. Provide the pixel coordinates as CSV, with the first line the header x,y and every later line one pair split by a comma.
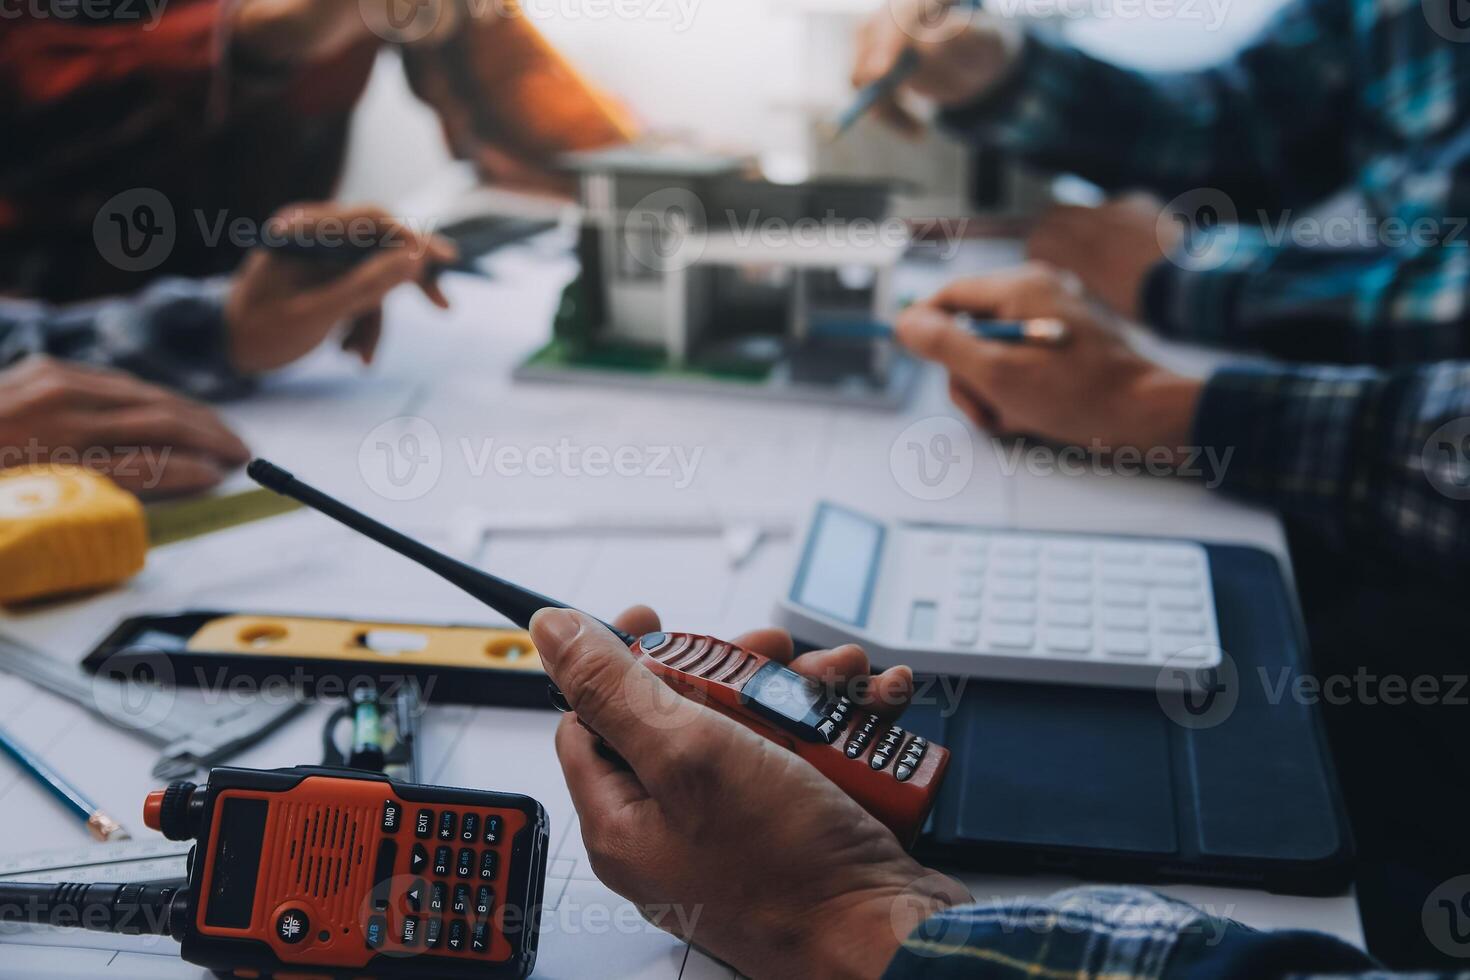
x,y
789,875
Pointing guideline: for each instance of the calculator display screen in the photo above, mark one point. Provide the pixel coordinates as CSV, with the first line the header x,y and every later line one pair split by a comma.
x,y
840,564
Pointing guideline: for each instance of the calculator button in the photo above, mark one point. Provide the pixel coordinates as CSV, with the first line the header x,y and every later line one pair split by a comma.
x,y
493,826
418,860
469,828
489,865
1172,622
1126,644
1016,546
967,609
414,895
964,636
1014,589
484,898
1010,637
1124,595
1125,554
480,937
1013,612
423,823
969,586
1069,571
437,896
392,813
410,934
1069,592
1066,549
1068,615
1014,569
465,866
383,873
433,929
455,940
443,856
1069,640
971,566
375,931
972,546
1184,599
461,904
1125,619
446,825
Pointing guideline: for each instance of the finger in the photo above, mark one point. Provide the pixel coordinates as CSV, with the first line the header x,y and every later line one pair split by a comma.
x,y
887,694
83,385
357,291
1031,290
638,620
152,473
176,425
599,788
975,408
429,284
772,643
363,336
934,336
619,698
835,667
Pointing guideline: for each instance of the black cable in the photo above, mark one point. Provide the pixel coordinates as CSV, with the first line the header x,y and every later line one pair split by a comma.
x,y
131,910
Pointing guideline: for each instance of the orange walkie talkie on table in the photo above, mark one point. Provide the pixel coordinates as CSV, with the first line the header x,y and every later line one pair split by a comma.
x,y
320,872
892,774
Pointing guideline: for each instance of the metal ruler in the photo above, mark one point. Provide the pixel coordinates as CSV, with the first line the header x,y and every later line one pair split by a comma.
x,y
193,733
182,520
126,861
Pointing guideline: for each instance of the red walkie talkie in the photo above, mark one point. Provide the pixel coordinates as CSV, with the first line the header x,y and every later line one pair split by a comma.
x,y
893,774
318,872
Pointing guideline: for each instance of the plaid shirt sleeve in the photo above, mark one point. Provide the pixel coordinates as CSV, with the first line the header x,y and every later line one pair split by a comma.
x,y
1383,304
172,334
1265,128
1379,460
1115,933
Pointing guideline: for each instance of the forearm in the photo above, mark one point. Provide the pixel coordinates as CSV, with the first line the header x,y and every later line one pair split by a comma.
x,y
1362,455
1110,932
174,333
1238,128
1380,306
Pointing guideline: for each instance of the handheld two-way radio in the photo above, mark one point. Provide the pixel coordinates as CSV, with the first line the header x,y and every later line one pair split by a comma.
x,y
328,872
893,774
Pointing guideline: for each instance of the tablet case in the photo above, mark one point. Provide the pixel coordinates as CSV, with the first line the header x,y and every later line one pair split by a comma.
x,y
1234,787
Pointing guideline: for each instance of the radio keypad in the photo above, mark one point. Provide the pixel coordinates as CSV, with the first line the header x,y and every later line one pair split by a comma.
x,y
858,740
455,921
886,748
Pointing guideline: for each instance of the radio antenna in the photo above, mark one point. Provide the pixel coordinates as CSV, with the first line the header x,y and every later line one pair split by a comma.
x,y
512,601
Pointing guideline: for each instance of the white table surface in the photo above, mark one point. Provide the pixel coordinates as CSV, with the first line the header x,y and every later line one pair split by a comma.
x,y
453,370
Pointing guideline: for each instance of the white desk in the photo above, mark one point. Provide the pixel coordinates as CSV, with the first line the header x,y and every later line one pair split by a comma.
x,y
453,371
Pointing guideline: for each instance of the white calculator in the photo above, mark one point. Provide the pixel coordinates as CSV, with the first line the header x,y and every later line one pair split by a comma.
x,y
1051,608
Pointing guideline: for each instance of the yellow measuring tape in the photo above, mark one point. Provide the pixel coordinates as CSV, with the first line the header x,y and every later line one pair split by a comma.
x,y
65,529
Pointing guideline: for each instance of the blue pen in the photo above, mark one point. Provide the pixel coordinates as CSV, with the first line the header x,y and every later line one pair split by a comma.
x,y
101,826
1042,331
877,90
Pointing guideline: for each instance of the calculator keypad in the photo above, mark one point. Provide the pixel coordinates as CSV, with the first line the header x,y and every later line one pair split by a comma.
x,y
435,892
1059,598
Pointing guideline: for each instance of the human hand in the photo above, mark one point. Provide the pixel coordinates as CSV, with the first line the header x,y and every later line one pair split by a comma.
x,y
1110,248
962,53
290,31
1095,388
720,836
281,307
149,440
